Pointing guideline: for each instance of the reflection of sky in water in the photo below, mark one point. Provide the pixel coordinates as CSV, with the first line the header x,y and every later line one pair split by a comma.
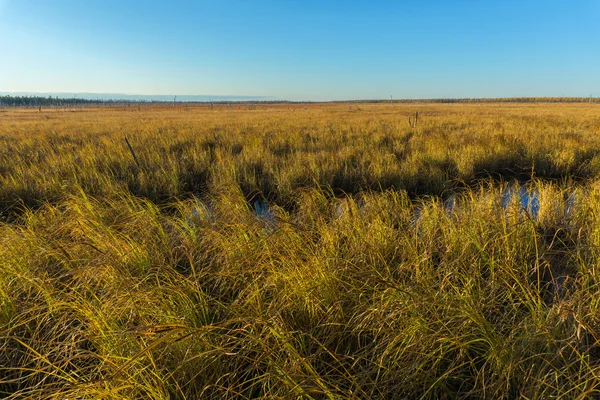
x,y
570,206
528,198
449,204
260,208
264,213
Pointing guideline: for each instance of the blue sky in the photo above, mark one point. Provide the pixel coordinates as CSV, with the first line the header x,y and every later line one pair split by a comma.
x,y
302,50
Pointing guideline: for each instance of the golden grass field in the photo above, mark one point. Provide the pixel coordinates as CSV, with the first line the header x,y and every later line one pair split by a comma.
x,y
391,262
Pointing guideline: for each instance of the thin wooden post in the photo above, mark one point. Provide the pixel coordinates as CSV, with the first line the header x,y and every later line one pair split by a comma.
x,y
132,152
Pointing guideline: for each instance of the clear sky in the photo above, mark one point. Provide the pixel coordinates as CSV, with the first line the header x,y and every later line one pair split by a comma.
x,y
303,50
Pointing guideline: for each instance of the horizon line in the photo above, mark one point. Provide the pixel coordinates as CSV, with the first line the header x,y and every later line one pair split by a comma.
x,y
237,98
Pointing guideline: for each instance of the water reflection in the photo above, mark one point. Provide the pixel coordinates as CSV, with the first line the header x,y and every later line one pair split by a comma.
x,y
528,198
264,213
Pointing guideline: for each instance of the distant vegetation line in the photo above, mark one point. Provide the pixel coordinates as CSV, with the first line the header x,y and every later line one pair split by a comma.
x,y
55,101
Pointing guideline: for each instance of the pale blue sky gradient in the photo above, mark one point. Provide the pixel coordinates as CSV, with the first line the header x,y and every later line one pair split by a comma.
x,y
302,50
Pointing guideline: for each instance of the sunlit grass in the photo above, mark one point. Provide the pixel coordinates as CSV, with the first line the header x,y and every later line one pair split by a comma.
x,y
386,268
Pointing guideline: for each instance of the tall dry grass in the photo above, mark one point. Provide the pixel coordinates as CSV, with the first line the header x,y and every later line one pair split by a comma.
x,y
277,151
118,282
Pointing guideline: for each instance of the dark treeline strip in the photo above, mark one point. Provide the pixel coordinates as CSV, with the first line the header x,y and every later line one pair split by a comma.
x,y
37,101
41,101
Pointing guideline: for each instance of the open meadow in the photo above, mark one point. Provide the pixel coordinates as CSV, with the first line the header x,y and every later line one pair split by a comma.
x,y
306,251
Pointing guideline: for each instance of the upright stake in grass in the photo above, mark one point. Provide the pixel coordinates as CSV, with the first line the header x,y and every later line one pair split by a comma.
x,y
412,121
132,152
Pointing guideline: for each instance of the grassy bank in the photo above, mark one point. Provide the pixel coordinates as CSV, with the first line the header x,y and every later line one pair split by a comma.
x,y
117,282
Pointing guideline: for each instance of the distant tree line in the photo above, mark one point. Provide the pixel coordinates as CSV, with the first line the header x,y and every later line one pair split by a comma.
x,y
37,101
486,100
50,101
40,101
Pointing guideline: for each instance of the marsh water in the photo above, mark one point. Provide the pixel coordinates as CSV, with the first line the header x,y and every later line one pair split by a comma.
x,y
528,198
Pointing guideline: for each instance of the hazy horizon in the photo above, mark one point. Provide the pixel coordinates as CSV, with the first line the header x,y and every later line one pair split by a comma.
x,y
137,96
224,98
